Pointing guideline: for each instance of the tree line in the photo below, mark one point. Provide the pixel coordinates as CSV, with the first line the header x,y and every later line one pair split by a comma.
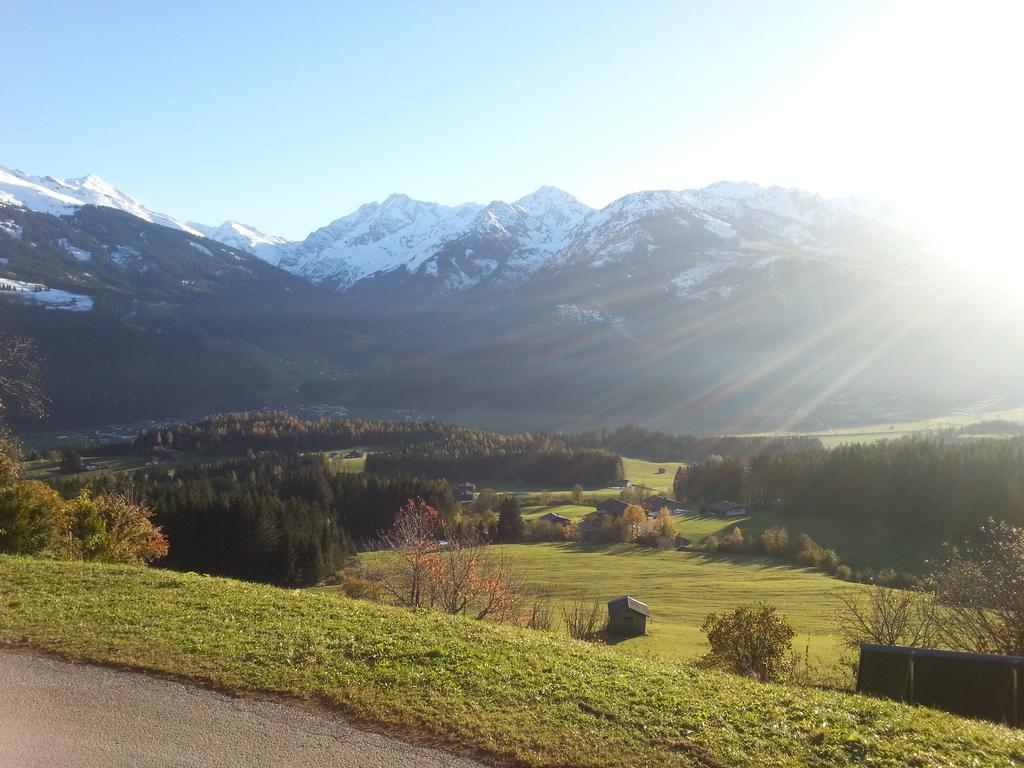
x,y
651,445
282,431
918,484
491,458
283,519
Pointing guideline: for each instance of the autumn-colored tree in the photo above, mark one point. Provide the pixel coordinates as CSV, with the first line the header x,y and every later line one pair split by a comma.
x,y
113,527
414,537
664,527
634,517
456,573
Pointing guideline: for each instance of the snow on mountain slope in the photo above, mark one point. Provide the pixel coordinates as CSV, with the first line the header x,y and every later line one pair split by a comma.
x,y
46,194
402,233
448,249
377,237
243,237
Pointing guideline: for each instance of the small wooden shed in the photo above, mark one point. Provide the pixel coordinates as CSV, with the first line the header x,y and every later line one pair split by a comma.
x,y
627,617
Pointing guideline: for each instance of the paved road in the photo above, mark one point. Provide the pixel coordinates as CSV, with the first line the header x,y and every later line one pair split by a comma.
x,y
59,715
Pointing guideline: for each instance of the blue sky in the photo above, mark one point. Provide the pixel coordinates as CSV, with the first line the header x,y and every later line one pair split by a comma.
x,y
288,115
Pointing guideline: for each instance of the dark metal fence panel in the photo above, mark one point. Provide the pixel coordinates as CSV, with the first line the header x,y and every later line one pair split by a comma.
x,y
885,675
968,684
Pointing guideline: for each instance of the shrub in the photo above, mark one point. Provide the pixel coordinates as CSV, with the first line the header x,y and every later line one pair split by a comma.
x,y
32,519
542,530
584,619
114,528
754,641
538,614
360,587
775,542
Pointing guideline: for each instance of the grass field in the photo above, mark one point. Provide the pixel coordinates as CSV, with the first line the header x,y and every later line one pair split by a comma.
x,y
871,433
681,589
511,696
860,546
638,471
44,470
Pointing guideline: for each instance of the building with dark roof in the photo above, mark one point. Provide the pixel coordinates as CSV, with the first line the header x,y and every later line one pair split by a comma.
x,y
614,507
727,509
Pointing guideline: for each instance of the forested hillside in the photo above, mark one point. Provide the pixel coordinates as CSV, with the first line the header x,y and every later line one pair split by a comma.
x,y
278,518
935,485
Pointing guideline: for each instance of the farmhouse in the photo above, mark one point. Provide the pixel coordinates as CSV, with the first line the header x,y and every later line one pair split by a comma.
x,y
727,509
654,504
465,493
551,517
355,453
613,507
627,617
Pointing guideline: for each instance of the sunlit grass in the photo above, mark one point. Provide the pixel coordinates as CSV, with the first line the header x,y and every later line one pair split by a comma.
x,y
514,696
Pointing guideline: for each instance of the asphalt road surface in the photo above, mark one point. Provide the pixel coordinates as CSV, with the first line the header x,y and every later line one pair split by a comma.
x,y
54,714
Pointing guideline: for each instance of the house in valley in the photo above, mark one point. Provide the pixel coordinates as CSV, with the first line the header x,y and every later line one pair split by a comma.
x,y
551,517
654,504
613,507
727,509
465,493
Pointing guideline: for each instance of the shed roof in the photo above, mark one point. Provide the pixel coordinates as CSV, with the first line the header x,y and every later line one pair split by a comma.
x,y
627,603
551,517
655,503
612,506
724,506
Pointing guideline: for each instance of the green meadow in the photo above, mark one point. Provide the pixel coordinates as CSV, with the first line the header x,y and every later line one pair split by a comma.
x,y
681,589
506,695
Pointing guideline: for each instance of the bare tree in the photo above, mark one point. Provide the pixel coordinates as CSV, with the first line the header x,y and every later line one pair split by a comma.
x,y
872,614
414,537
981,587
20,376
457,574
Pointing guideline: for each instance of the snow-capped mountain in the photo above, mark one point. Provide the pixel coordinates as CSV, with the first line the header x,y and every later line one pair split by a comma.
x,y
443,250
60,197
418,238
437,250
243,237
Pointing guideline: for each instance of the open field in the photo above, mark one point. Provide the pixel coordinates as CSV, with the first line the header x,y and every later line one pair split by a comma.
x,y
638,471
893,430
44,469
873,546
681,589
509,695
572,511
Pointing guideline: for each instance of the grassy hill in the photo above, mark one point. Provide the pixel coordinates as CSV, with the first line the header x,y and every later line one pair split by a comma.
x,y
514,696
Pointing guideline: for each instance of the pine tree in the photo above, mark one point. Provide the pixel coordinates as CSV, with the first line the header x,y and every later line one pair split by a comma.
x,y
510,521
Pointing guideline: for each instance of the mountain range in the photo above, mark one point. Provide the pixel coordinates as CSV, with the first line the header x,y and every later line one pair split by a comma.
x,y
733,307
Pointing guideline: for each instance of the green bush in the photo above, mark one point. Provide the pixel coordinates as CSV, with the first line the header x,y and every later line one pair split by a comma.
x,y
754,641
